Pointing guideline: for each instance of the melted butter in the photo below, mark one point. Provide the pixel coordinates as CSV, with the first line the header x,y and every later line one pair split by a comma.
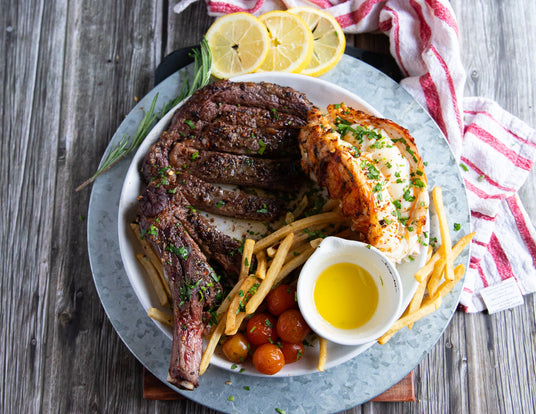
x,y
345,295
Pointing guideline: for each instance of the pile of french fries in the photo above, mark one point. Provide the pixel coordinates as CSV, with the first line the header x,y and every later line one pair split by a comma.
x,y
437,277
289,247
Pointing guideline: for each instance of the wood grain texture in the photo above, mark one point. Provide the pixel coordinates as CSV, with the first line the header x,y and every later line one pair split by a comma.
x,y
71,71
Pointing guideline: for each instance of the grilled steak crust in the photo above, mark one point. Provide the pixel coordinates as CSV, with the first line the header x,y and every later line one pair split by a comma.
x,y
244,134
218,167
209,197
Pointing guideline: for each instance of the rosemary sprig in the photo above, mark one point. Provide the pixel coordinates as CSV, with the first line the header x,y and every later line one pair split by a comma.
x,y
202,68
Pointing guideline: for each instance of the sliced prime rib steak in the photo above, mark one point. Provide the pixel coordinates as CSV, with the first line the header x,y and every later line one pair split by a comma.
x,y
240,133
214,199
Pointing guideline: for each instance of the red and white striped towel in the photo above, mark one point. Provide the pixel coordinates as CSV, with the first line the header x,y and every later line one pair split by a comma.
x,y
495,150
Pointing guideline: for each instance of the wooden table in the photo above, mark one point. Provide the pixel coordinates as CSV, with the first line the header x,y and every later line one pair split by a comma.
x,y
71,71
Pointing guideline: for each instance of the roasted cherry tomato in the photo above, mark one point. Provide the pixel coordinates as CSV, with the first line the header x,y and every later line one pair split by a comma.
x,y
291,327
280,299
260,329
268,359
236,348
292,351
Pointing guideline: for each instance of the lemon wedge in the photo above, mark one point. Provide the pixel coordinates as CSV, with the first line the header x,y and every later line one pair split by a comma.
x,y
329,39
239,44
291,42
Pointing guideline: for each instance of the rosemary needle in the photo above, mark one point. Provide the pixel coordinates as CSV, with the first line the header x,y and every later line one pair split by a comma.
x,y
202,68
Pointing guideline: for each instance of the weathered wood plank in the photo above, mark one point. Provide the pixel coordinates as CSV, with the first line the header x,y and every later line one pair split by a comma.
x,y
31,93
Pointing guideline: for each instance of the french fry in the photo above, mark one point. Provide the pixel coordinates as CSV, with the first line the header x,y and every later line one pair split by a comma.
x,y
260,272
247,254
448,285
239,298
289,217
238,322
296,251
271,274
387,336
424,271
158,315
416,300
428,307
149,252
330,205
323,353
211,345
271,251
155,280
437,275
446,242
293,264
298,225
300,208
316,242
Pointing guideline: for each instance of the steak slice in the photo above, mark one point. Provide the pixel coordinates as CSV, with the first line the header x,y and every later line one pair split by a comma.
x,y
256,119
194,287
242,139
207,103
218,167
209,197
215,244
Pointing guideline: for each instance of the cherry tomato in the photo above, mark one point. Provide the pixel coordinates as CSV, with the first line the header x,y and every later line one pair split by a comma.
x,y
260,329
292,351
236,348
280,299
291,327
268,359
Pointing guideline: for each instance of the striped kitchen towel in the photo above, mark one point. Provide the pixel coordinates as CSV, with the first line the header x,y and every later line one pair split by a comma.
x,y
495,149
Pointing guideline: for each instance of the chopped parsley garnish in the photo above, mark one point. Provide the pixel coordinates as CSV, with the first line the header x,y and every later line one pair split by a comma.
x,y
457,226
262,147
417,182
408,197
195,155
372,172
181,251
464,167
189,123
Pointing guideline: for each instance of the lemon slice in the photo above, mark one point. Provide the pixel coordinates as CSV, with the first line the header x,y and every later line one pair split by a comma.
x,y
329,39
239,44
291,42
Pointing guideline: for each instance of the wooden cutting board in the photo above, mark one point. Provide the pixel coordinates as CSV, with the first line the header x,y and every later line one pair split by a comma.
x,y
154,389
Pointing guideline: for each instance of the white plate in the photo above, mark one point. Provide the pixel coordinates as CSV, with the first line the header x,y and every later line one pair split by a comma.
x,y
319,92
